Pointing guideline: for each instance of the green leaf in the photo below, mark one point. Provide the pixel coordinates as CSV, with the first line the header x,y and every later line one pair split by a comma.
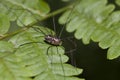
x,y
85,17
113,52
95,20
24,10
33,61
4,24
6,48
30,58
118,2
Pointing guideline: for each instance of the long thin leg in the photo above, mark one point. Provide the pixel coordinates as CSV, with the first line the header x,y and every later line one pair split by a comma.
x,y
69,39
54,26
61,62
30,43
37,29
67,19
48,54
48,49
60,58
26,44
70,52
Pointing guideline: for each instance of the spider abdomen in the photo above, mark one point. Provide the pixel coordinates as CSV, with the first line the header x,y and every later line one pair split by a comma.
x,y
53,40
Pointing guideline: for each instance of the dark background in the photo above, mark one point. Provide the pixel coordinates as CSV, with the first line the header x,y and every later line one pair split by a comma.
x,y
89,57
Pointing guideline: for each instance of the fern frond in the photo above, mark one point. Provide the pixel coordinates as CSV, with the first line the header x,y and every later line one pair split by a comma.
x,y
22,58
117,2
24,11
4,24
31,62
97,21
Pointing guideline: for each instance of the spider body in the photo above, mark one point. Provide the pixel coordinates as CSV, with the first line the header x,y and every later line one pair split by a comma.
x,y
53,40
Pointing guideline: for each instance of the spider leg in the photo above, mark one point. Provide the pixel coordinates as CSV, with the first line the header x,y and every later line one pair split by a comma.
x,y
61,62
70,52
69,39
59,56
29,43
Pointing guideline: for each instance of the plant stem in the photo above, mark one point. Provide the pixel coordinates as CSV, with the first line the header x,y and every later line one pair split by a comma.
x,y
13,33
33,23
